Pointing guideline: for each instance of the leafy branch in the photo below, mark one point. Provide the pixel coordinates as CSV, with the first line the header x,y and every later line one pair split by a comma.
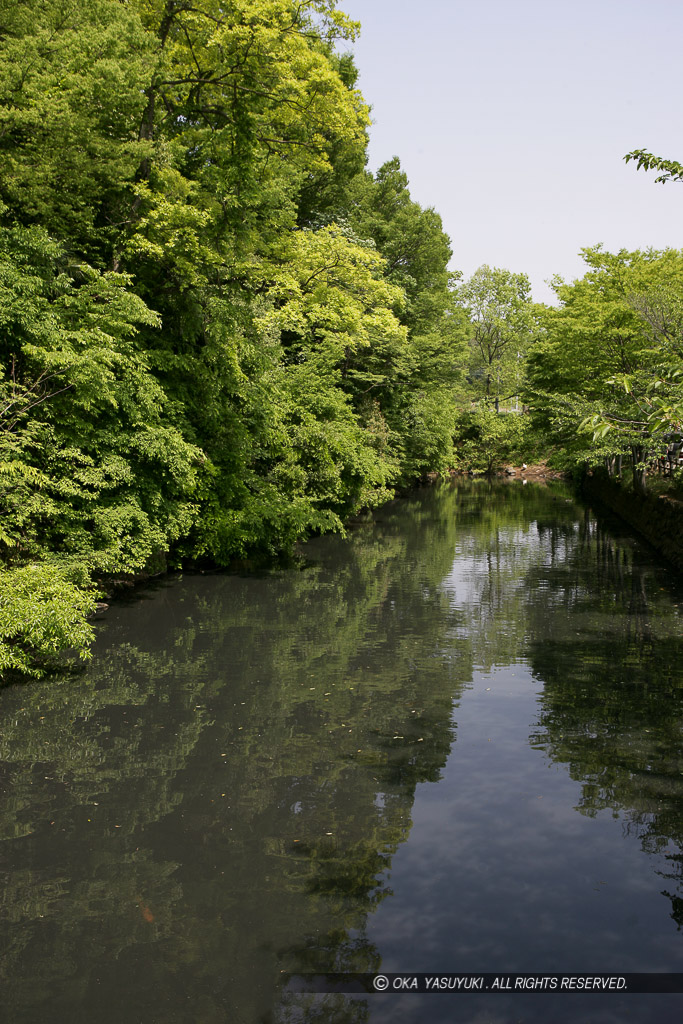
x,y
673,171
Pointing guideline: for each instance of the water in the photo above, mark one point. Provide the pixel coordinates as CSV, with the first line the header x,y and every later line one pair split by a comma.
x,y
450,742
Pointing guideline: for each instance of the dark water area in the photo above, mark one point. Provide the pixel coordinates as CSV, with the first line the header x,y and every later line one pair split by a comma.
x,y
449,742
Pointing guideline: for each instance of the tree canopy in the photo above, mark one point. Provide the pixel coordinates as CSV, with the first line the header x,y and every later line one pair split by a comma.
x,y
219,332
607,375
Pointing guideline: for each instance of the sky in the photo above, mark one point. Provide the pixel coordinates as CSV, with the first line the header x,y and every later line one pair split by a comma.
x,y
512,117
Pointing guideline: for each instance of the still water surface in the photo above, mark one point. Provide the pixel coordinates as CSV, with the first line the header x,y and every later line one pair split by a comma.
x,y
450,742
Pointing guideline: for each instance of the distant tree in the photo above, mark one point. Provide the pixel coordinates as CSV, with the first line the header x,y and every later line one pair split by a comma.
x,y
501,316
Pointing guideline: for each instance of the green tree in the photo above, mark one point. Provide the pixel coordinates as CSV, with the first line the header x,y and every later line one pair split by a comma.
x,y
410,238
72,97
606,376
418,399
486,440
220,333
93,479
502,318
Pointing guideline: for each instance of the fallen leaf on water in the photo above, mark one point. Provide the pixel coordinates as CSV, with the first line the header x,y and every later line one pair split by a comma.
x,y
146,913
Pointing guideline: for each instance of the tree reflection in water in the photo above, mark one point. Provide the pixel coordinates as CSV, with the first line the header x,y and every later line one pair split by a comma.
x,y
218,798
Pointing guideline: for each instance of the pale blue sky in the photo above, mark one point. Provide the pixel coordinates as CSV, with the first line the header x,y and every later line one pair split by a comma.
x,y
511,118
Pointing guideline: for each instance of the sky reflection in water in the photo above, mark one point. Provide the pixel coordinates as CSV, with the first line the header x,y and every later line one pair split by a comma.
x,y
449,742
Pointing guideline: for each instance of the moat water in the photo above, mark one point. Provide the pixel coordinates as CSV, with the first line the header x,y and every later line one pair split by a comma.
x,y
451,741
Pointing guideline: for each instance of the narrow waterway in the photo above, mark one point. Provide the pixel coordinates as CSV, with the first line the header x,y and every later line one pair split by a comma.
x,y
449,742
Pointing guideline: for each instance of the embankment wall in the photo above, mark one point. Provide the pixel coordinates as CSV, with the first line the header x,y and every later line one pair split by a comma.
x,y
658,519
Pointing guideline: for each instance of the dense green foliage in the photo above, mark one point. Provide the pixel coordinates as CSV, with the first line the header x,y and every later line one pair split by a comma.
x,y
502,323
501,326
486,439
606,379
219,333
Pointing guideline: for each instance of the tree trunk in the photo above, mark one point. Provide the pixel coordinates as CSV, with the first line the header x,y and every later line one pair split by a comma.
x,y
639,470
